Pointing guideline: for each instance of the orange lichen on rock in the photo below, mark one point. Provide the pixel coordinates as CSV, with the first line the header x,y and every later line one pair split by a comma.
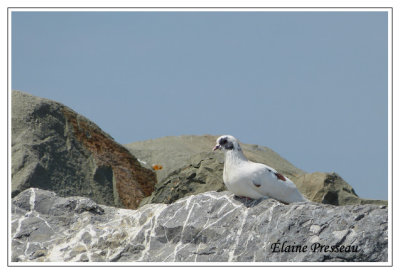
x,y
132,181
157,167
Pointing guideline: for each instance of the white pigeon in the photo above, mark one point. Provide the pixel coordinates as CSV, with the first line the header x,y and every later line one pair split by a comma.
x,y
254,180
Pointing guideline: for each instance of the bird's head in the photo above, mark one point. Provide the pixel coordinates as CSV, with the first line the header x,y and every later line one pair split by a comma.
x,y
226,143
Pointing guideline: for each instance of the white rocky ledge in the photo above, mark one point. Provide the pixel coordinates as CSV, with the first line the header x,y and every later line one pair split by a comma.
x,y
209,227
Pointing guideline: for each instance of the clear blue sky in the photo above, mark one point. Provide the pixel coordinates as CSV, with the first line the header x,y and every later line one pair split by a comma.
x,y
312,86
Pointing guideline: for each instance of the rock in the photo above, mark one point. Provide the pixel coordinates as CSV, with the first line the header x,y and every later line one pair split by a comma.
x,y
330,188
204,173
55,148
208,227
190,168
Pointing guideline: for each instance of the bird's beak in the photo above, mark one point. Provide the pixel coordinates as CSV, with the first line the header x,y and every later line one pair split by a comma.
x,y
216,147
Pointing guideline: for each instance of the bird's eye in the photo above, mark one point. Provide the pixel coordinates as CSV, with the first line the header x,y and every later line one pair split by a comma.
x,y
223,141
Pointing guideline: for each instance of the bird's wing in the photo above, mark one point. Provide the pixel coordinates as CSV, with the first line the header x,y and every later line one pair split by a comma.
x,y
267,181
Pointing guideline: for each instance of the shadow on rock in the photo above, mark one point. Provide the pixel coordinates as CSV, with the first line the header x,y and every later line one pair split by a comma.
x,y
249,202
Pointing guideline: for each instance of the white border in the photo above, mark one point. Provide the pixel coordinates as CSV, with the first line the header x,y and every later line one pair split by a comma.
x,y
390,134
186,9
217,9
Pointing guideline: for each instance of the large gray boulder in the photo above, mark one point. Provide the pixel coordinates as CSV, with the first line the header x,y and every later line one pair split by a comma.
x,y
208,227
54,148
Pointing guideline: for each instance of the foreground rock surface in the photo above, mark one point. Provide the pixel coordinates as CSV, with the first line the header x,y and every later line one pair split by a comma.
x,y
209,227
55,148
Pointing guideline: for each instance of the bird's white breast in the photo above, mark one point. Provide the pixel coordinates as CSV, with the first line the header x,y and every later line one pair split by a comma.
x,y
237,180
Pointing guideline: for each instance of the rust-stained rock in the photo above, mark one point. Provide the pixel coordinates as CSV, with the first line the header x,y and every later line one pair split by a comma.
x,y
55,148
132,180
